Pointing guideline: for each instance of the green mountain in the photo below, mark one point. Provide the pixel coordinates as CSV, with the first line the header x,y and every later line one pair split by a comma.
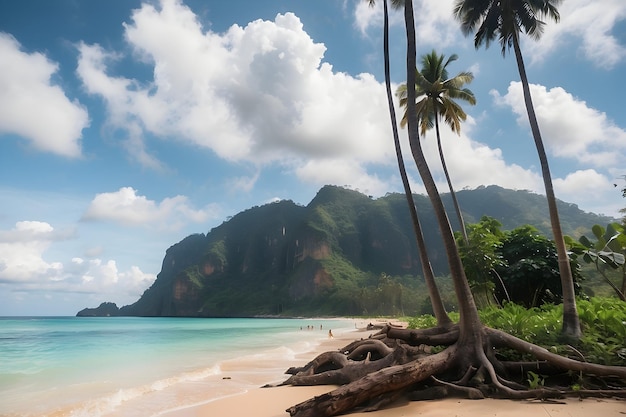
x,y
343,253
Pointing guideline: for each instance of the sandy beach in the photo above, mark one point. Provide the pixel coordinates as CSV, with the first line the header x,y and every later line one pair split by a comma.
x,y
272,402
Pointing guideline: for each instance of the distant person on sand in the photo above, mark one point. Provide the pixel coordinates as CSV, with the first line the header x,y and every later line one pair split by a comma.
x,y
330,334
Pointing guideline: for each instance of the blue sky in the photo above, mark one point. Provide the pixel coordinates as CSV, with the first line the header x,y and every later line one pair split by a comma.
x,y
126,125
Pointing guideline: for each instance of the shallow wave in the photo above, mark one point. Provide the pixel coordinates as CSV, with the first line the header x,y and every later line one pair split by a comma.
x,y
228,377
110,404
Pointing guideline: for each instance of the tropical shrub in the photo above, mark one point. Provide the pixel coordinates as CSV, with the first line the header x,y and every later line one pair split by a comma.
x,y
519,266
607,254
603,320
530,269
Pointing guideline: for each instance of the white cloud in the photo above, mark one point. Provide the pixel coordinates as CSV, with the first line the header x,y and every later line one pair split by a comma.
x,y
591,22
434,21
32,107
569,128
21,249
435,24
366,16
33,231
120,96
588,182
329,171
23,265
100,277
472,164
243,183
258,93
590,188
127,208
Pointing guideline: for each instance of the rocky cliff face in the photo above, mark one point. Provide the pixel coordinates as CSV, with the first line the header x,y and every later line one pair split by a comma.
x,y
282,257
173,293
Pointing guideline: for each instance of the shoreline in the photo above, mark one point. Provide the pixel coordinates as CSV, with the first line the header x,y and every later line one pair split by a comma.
x,y
142,367
273,401
340,339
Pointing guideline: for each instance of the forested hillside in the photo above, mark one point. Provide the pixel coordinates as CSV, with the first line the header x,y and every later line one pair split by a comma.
x,y
343,253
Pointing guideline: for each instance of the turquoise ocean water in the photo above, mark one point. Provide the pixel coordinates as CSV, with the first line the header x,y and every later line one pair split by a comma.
x,y
129,366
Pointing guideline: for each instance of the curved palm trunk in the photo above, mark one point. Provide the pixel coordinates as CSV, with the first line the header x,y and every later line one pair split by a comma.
x,y
457,208
435,298
571,323
469,325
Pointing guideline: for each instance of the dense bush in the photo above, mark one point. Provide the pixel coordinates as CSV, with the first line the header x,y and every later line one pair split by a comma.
x,y
603,321
519,265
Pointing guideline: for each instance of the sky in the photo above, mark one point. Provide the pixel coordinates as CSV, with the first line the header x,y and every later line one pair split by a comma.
x,y
127,125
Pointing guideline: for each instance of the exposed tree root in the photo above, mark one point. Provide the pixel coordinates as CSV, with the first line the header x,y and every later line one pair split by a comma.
x,y
373,385
395,363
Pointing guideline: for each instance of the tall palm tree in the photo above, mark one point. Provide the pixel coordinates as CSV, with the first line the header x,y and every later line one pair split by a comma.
x,y
504,20
436,94
429,277
470,327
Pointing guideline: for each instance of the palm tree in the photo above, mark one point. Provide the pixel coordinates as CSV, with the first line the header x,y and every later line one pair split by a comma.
x,y
470,333
504,20
436,93
429,277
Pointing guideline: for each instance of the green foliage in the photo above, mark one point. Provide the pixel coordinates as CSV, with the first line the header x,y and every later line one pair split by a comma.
x,y
387,296
603,321
480,256
604,330
321,220
535,381
436,93
610,246
607,253
426,321
537,325
193,274
530,271
343,270
217,254
335,210
519,265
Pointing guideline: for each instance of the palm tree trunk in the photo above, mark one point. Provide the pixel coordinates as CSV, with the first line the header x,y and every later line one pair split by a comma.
x,y
469,324
435,298
457,208
571,322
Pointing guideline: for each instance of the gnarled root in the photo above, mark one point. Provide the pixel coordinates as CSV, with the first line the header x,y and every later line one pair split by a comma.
x,y
338,368
386,380
372,372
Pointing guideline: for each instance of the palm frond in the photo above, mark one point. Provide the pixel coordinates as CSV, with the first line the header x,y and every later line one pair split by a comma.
x,y
504,19
435,93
